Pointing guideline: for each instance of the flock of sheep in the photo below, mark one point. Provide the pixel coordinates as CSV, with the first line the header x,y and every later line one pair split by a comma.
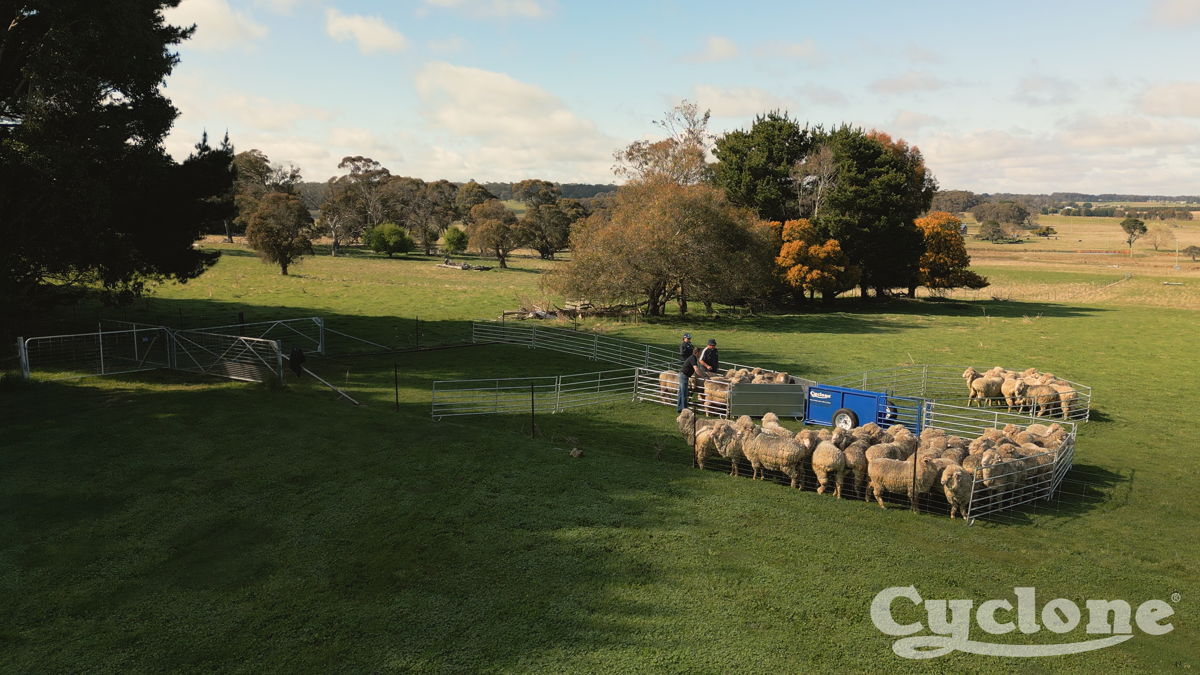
x,y
1007,461
1031,392
713,391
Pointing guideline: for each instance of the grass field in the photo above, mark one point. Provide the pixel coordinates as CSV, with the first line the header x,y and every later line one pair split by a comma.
x,y
161,522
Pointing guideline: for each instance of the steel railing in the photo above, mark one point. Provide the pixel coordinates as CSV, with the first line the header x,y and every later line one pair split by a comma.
x,y
524,394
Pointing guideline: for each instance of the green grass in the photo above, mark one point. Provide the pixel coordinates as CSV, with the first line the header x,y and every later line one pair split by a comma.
x,y
169,523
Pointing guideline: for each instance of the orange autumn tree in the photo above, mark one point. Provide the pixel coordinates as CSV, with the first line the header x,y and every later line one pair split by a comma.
x,y
812,266
945,263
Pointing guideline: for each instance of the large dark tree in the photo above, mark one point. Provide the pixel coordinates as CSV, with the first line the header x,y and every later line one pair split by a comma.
x,y
881,188
91,200
755,167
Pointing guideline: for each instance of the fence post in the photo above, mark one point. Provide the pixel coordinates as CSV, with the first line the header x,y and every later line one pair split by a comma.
x,y
558,394
135,349
533,337
532,423
637,383
279,361
100,341
23,352
925,380
320,335
595,346
646,361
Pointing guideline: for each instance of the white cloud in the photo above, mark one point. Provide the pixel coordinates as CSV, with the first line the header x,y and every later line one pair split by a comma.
x,y
1126,131
979,146
1175,13
482,9
1180,99
281,6
908,121
218,26
913,80
805,50
1045,91
370,32
264,114
716,48
499,126
825,95
740,101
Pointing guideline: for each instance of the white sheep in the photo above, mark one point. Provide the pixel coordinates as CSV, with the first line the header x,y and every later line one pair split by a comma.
x,y
982,389
892,475
829,462
856,464
1041,399
958,483
779,453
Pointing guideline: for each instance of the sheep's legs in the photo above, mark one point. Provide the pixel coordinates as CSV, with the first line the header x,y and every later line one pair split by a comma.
x,y
879,497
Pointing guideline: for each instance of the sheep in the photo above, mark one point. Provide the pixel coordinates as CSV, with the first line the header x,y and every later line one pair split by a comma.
x,y
706,445
895,429
908,442
885,451
954,453
688,424
668,386
890,475
1068,398
982,389
971,462
856,464
770,425
1001,473
730,439
1041,399
780,453
829,461
958,483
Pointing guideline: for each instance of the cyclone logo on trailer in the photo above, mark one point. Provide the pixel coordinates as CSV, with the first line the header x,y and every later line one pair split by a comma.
x,y
950,621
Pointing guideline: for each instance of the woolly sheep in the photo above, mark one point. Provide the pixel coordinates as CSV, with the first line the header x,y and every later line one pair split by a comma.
x,y
1041,399
971,462
770,425
687,423
779,453
856,464
890,475
958,483
828,462
668,386
982,389
885,451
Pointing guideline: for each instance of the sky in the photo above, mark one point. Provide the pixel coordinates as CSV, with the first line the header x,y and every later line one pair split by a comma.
x,y
1028,97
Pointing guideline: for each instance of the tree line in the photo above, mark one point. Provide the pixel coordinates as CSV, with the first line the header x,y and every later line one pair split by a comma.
x,y
786,212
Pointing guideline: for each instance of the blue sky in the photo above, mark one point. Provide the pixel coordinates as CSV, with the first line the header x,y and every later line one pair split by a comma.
x,y
1016,96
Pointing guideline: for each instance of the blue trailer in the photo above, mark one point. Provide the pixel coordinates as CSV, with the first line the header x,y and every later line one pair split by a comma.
x,y
848,408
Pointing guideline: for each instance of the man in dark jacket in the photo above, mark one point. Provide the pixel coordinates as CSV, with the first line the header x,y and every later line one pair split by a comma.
x,y
685,349
687,370
709,359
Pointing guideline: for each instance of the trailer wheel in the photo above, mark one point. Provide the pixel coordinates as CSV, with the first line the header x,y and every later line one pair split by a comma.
x,y
845,418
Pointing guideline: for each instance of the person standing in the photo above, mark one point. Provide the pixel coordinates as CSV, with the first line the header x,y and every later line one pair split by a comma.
x,y
687,370
685,349
709,359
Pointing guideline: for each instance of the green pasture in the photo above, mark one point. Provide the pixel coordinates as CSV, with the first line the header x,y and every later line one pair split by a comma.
x,y
163,522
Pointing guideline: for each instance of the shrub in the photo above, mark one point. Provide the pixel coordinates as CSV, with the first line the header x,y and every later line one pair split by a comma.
x,y
390,238
455,240
990,230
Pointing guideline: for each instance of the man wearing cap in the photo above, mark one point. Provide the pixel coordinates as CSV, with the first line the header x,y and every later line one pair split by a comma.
x,y
689,368
685,349
709,359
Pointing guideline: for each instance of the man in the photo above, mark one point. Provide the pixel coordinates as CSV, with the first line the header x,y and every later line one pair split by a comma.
x,y
709,358
687,370
685,349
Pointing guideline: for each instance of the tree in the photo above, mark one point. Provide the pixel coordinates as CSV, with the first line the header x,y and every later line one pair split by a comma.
x,y
662,240
468,197
536,192
546,229
212,172
990,230
494,230
945,263
812,266
881,188
361,197
339,218
1192,251
257,178
91,201
278,230
390,238
815,175
455,240
755,167
1046,231
430,208
1134,230
680,158
955,201
1160,235
1004,212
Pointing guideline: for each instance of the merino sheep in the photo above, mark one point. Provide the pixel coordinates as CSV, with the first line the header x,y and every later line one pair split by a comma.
x,y
982,389
770,425
971,462
668,387
1041,399
688,424
890,475
1001,473
856,464
828,462
779,453
958,483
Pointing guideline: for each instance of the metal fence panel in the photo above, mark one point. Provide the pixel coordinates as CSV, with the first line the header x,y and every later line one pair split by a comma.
x,y
237,358
60,357
522,394
307,333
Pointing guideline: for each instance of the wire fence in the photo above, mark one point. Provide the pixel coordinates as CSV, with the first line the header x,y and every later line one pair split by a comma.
x,y
64,357
531,394
229,356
